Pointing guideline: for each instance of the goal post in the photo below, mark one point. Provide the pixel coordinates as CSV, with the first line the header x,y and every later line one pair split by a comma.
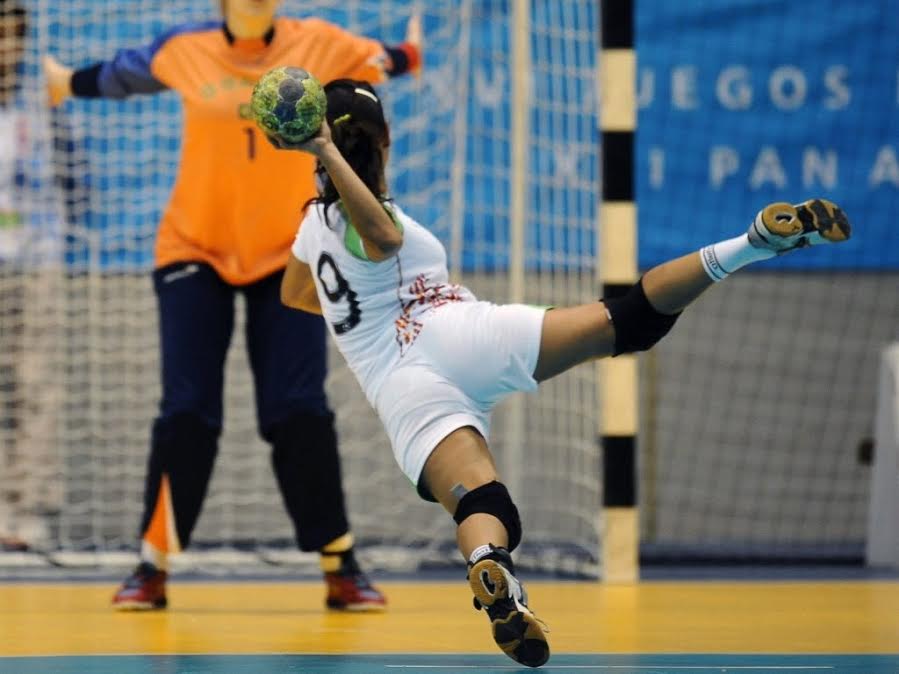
x,y
617,271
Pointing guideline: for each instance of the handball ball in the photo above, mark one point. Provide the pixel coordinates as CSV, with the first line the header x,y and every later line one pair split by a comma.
x,y
289,103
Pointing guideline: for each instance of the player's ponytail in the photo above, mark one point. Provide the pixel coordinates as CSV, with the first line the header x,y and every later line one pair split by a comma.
x,y
361,145
360,133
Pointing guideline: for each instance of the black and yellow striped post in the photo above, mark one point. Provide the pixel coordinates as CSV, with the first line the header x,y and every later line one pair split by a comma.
x,y
617,65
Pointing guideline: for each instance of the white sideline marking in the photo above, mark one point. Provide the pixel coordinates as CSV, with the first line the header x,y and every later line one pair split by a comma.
x,y
720,668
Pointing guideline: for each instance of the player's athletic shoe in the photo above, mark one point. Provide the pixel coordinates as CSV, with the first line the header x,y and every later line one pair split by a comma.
x,y
352,591
782,227
516,630
143,590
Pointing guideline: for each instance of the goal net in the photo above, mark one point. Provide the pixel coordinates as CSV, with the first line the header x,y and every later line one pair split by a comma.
x,y
79,382
759,406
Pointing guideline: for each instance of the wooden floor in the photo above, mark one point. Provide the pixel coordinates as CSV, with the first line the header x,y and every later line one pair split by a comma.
x,y
650,618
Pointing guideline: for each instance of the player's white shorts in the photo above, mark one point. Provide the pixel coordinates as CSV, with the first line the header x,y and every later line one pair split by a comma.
x,y
468,356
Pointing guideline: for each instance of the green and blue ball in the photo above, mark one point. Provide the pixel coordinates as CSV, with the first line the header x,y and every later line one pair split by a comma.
x,y
289,104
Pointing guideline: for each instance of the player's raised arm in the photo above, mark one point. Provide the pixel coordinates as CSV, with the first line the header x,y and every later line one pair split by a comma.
x,y
353,156
377,229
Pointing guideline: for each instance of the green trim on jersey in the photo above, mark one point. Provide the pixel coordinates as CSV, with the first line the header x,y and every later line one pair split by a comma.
x,y
351,238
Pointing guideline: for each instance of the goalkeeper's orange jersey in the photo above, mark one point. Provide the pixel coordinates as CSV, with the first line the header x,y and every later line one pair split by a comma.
x,y
236,201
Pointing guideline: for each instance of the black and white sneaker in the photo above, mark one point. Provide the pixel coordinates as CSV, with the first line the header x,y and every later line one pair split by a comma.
x,y
516,630
783,227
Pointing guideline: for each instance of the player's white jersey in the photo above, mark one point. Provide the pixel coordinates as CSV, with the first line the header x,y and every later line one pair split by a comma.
x,y
374,310
429,356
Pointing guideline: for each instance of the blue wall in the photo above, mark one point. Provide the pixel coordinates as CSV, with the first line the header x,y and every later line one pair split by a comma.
x,y
744,103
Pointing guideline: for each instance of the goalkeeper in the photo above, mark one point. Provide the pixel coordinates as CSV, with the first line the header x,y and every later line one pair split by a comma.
x,y
227,229
433,360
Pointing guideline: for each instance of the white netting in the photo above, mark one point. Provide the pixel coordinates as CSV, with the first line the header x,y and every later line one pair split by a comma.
x,y
759,405
79,380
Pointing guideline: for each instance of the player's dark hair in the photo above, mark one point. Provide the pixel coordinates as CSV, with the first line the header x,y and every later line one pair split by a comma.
x,y
359,132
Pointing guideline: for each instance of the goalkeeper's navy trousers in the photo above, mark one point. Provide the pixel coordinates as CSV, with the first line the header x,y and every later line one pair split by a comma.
x,y
288,356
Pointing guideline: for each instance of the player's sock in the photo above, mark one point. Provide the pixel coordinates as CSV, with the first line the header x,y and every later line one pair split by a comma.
x,y
338,557
490,551
150,554
722,259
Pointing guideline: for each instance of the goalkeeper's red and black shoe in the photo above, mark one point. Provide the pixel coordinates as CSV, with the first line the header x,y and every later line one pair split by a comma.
x,y
348,588
143,590
353,591
516,630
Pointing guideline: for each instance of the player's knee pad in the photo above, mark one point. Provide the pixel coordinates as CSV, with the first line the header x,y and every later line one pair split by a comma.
x,y
492,499
638,326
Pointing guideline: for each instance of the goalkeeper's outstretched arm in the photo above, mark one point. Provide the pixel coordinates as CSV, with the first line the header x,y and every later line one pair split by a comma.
x,y
128,72
131,71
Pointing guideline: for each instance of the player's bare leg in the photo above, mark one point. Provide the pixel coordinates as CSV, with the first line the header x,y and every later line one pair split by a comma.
x,y
461,463
575,334
459,473
572,335
672,286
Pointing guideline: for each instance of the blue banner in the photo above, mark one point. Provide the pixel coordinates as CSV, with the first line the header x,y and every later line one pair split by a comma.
x,y
744,102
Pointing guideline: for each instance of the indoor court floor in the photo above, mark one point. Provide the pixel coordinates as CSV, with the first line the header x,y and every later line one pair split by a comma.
x,y
833,627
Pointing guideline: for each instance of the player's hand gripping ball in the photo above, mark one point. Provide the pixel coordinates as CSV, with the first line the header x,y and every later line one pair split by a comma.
x,y
289,104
